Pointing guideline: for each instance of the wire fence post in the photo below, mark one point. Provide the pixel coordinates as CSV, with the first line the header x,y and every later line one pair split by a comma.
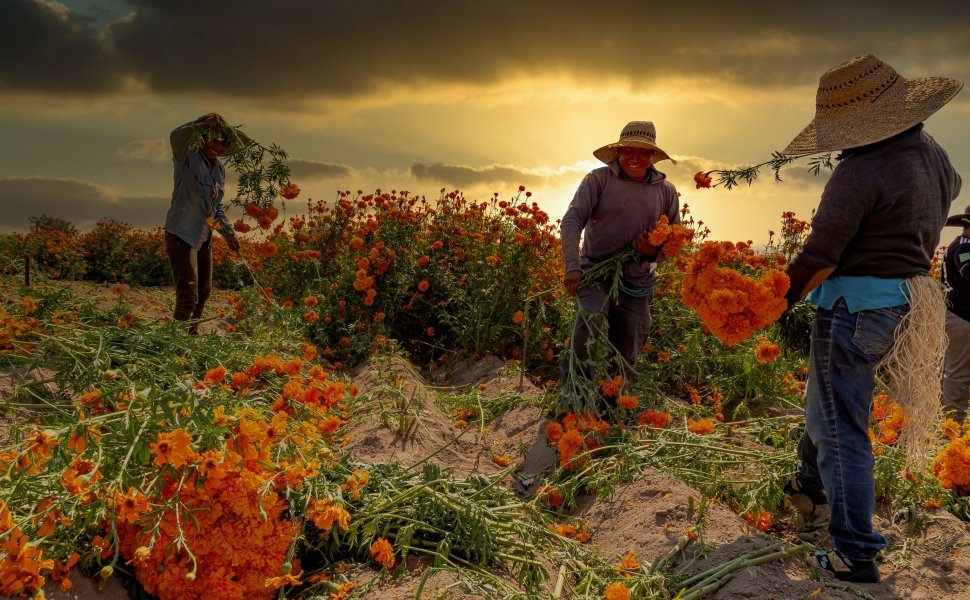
x,y
27,270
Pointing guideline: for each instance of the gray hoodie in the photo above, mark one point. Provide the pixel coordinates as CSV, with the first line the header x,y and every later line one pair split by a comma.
x,y
609,210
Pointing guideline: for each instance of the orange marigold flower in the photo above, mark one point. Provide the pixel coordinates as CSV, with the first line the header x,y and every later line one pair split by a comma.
x,y
611,387
702,180
766,351
661,230
700,426
129,507
629,562
616,591
290,191
761,521
325,514
502,460
173,448
265,249
554,431
125,321
29,304
214,376
312,316
383,553
655,418
627,402
311,301
241,227
568,445
423,285
517,317
550,495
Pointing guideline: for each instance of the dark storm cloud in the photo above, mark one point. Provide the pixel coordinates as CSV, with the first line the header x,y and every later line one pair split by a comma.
x,y
461,176
339,48
46,48
311,169
80,202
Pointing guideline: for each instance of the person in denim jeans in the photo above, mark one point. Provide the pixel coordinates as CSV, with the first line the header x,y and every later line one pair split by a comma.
x,y
195,211
876,229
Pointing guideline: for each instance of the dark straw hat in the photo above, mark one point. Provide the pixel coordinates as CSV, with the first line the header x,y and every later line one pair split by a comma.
x,y
959,220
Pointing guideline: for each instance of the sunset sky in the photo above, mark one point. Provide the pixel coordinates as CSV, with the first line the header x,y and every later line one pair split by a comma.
x,y
476,95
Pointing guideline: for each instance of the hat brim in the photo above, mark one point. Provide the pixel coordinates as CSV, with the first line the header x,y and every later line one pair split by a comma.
x,y
609,152
909,102
958,220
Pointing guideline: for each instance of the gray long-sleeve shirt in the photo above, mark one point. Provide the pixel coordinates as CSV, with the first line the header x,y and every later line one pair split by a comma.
x,y
609,211
881,212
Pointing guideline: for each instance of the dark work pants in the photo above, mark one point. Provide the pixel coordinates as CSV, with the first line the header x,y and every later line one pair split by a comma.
x,y
192,272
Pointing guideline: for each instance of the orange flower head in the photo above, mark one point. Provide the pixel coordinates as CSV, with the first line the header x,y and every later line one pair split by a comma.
x,y
173,448
627,402
616,591
290,191
766,351
700,426
383,553
554,431
702,180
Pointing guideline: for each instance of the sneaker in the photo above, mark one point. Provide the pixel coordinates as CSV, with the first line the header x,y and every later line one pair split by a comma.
x,y
845,569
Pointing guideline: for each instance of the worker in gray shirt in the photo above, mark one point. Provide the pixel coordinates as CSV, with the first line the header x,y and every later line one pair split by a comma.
x,y
614,208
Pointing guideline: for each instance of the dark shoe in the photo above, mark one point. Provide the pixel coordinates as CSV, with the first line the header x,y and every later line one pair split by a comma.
x,y
845,569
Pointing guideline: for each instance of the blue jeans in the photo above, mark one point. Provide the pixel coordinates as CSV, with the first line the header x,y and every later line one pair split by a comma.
x,y
835,453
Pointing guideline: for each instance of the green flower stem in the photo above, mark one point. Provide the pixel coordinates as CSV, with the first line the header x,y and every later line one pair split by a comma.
x,y
706,582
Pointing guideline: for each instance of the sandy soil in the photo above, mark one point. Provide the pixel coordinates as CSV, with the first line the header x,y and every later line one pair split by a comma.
x,y
926,558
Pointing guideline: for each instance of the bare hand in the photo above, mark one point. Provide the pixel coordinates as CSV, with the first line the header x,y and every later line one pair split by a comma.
x,y
571,280
642,245
233,244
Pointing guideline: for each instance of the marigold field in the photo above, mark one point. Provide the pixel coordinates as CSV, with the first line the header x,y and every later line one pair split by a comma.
x,y
371,409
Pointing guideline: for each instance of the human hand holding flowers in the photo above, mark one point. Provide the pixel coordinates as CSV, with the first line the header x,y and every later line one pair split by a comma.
x,y
643,245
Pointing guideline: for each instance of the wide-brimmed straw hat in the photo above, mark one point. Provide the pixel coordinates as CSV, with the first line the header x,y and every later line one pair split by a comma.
x,y
636,134
959,220
864,100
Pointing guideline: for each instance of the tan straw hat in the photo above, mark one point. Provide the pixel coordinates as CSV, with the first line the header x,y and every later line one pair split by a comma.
x,y
959,220
636,134
864,100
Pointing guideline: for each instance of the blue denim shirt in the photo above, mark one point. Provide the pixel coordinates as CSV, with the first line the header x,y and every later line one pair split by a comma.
x,y
860,293
200,184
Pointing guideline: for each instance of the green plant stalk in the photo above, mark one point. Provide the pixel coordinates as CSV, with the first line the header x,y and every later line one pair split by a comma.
x,y
705,582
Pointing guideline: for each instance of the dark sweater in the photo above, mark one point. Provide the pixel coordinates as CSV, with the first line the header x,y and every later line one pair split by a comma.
x,y
881,212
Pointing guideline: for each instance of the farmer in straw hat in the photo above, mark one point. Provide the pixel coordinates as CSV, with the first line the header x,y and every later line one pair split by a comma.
x,y
866,264
196,210
956,282
613,209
